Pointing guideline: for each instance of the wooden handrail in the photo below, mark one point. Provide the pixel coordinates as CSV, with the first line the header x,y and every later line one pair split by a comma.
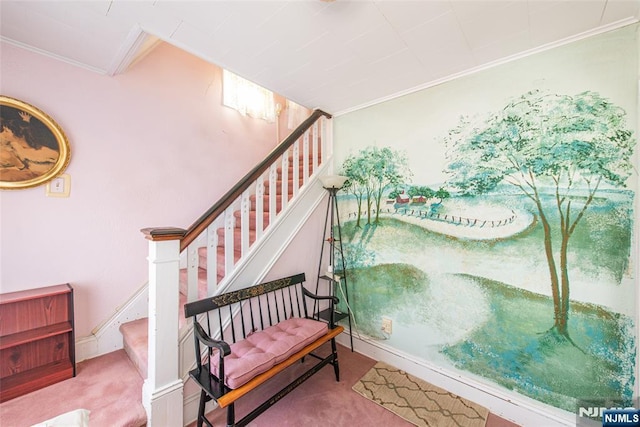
x,y
225,201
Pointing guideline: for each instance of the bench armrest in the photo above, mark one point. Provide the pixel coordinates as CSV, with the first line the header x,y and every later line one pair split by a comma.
x,y
311,295
205,339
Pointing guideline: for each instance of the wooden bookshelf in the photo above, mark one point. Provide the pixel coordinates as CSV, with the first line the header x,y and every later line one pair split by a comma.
x,y
37,343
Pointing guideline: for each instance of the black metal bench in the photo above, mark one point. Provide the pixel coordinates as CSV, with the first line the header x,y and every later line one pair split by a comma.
x,y
244,328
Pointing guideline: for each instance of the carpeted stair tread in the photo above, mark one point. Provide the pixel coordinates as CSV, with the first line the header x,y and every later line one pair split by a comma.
x,y
135,337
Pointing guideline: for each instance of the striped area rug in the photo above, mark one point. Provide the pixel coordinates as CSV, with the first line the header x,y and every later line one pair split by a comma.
x,y
417,401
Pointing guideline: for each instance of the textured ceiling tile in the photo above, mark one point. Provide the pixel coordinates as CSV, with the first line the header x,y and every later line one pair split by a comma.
x,y
350,19
205,16
404,15
446,62
376,44
471,10
559,20
193,39
504,47
494,24
431,36
616,10
154,20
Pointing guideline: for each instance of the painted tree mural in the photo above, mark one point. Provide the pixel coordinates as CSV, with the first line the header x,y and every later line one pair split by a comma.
x,y
546,144
372,172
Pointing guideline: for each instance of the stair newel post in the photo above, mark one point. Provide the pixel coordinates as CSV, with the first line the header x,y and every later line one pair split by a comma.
x,y
162,392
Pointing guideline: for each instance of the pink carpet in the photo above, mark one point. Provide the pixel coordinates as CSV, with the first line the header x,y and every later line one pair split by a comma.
x,y
109,386
321,401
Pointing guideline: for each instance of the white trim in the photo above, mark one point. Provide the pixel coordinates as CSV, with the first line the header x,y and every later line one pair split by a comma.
x,y
86,348
548,46
136,46
519,409
164,404
52,55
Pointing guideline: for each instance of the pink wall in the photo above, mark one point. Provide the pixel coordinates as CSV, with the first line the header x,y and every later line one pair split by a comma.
x,y
150,147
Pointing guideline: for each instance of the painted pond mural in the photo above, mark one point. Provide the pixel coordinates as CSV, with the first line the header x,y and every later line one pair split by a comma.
x,y
515,267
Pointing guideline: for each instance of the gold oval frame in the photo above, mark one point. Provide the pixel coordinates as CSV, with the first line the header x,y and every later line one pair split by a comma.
x,y
27,113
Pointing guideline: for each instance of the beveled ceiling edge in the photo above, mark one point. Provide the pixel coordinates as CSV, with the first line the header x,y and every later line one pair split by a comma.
x,y
136,46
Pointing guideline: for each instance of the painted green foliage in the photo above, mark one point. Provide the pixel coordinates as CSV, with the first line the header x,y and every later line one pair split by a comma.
x,y
373,171
567,146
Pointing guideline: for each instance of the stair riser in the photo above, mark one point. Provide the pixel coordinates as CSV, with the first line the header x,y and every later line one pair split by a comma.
x,y
265,203
252,219
237,238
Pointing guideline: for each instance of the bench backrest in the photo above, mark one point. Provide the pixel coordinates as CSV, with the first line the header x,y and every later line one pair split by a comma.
x,y
245,311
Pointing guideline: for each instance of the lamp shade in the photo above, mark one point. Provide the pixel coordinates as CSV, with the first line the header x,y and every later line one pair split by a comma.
x,y
333,181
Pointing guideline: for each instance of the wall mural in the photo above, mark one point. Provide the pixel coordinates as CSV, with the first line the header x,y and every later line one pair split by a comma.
x,y
512,268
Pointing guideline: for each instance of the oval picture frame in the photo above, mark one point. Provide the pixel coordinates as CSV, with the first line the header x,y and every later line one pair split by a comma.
x,y
33,148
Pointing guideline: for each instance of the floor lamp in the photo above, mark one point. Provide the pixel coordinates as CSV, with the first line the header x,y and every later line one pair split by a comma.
x,y
333,237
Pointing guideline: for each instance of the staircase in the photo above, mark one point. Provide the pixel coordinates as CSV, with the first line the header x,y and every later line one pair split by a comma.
x,y
220,250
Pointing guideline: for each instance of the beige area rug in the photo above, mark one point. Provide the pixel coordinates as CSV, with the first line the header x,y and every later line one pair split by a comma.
x,y
417,401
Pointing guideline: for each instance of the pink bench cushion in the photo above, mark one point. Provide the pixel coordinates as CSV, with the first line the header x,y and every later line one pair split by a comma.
x,y
264,349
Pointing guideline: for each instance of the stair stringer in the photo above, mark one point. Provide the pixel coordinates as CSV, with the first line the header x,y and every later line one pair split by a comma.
x,y
107,337
251,270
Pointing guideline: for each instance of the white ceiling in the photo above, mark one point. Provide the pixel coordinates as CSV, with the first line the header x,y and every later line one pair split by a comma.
x,y
334,55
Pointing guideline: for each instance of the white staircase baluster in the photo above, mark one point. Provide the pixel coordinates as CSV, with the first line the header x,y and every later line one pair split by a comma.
x,y
260,206
229,250
296,167
326,138
273,194
192,271
245,205
314,142
284,176
212,256
305,158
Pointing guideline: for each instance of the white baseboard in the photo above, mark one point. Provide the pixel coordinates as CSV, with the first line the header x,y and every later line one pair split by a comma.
x,y
516,408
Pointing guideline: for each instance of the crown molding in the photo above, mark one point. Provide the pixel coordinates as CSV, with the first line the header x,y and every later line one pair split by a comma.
x,y
51,55
581,36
